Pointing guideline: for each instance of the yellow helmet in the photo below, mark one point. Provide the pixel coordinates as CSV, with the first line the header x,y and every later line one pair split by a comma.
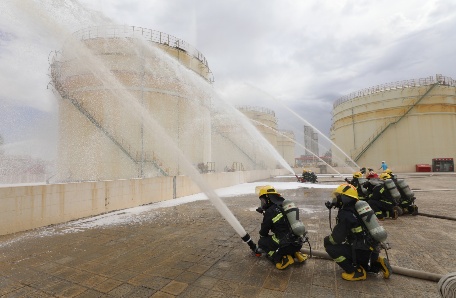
x,y
388,171
357,175
346,189
268,189
385,176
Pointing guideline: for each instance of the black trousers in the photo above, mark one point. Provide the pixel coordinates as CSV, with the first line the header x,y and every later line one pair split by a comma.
x,y
381,207
342,254
275,251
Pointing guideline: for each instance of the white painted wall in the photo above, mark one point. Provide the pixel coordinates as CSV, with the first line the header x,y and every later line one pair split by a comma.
x,y
27,207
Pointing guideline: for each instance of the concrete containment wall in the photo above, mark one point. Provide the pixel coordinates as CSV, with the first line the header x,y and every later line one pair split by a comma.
x,y
404,124
27,207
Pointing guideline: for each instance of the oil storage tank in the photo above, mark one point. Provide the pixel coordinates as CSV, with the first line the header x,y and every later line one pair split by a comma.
x,y
264,120
286,145
128,97
403,123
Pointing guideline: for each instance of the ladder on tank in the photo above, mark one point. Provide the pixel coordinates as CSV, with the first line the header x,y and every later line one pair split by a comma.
x,y
357,155
122,145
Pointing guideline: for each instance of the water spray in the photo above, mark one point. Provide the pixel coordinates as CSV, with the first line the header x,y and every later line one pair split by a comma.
x,y
305,121
299,144
132,105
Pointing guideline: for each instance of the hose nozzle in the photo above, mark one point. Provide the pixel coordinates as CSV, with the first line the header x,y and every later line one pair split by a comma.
x,y
250,242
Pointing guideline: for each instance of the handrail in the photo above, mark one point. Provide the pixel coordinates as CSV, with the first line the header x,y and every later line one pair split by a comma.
x,y
376,135
55,72
256,109
121,144
124,31
443,80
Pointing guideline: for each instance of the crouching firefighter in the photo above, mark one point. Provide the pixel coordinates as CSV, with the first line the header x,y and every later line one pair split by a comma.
x,y
355,241
281,217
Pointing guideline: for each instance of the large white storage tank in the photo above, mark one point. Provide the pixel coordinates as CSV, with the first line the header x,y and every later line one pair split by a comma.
x,y
286,145
264,120
116,85
403,123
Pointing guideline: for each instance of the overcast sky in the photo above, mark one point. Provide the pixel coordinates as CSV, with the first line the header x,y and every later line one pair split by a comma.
x,y
302,55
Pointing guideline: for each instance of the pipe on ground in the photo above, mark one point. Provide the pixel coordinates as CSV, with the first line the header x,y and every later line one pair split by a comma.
x,y
396,270
436,216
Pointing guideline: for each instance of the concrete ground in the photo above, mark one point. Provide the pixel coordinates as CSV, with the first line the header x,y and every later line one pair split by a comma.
x,y
190,250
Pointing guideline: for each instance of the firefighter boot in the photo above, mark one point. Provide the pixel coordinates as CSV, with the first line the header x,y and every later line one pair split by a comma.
x,y
359,274
300,256
385,267
395,212
414,209
284,262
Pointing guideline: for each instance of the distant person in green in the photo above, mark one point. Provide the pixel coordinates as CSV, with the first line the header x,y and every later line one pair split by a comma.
x,y
384,166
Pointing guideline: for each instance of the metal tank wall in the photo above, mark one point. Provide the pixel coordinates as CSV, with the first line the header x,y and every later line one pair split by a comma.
x,y
403,123
286,146
264,120
111,89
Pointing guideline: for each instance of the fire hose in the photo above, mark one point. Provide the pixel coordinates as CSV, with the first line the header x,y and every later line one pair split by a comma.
x,y
396,270
436,216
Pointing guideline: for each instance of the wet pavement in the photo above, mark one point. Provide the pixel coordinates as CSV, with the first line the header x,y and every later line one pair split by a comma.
x,y
190,250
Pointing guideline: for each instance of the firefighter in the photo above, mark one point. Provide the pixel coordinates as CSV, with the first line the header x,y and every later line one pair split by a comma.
x,y
390,172
282,247
407,201
309,176
350,243
356,182
371,174
382,202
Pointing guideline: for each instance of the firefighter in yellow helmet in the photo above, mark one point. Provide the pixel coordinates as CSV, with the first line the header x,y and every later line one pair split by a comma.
x,y
358,181
349,244
382,202
309,176
407,201
282,247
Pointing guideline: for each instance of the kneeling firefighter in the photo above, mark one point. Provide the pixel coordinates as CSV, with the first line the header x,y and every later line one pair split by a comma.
x,y
384,198
407,197
281,217
357,238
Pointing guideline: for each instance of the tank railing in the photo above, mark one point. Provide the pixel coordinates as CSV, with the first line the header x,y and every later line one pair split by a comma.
x,y
119,31
382,129
442,80
256,109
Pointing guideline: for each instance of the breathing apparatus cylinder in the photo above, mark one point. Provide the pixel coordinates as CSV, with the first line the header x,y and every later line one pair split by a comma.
x,y
292,213
371,221
391,186
405,188
361,182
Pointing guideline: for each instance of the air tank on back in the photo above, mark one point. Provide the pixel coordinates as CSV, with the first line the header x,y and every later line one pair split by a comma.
x,y
292,213
391,186
371,222
405,188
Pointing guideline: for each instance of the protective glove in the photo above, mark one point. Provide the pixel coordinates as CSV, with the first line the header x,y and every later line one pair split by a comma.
x,y
329,204
259,210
